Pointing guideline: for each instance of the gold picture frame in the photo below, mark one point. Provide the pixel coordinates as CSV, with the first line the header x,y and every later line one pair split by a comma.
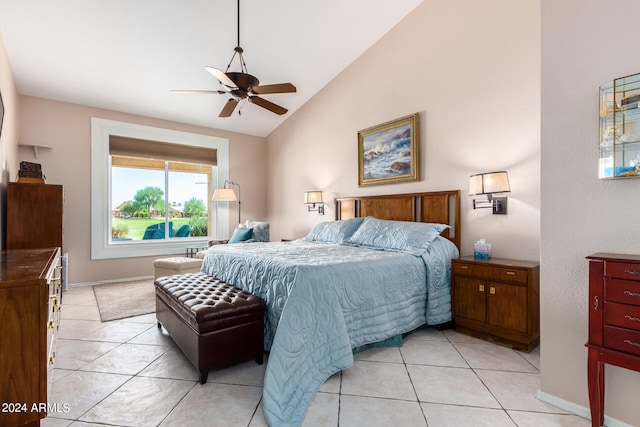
x,y
389,153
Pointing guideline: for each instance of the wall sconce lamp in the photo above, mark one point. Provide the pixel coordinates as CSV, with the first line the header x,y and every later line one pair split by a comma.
x,y
312,198
490,183
226,194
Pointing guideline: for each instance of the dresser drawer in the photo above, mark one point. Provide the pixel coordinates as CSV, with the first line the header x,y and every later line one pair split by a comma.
x,y
622,339
623,315
622,270
503,274
622,291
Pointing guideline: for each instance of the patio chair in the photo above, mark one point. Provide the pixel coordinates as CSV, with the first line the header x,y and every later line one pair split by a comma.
x,y
156,231
183,231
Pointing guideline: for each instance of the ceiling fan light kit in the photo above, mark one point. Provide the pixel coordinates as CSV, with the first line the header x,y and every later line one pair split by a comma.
x,y
242,86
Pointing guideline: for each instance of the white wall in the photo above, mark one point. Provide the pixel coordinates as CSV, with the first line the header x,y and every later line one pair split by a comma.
x,y
584,44
472,71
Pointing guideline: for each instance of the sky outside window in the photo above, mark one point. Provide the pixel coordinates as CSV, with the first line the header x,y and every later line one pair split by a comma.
x,y
182,185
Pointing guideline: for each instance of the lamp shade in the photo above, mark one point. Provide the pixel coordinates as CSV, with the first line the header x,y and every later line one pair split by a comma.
x,y
313,197
489,183
224,195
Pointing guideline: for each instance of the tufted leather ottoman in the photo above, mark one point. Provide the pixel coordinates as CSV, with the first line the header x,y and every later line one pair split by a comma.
x,y
213,323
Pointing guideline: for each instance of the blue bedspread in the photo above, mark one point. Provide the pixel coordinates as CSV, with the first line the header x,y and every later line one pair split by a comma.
x,y
325,299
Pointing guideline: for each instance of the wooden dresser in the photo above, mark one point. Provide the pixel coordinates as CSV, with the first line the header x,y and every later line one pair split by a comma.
x,y
497,300
614,321
34,215
30,297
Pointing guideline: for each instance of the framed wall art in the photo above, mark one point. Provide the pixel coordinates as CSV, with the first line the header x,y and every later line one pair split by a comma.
x,y
388,153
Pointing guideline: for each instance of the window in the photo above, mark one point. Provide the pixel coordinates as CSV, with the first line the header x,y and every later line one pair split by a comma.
x,y
159,199
171,166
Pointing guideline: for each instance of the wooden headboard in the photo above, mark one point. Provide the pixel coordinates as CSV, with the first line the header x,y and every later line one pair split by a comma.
x,y
439,206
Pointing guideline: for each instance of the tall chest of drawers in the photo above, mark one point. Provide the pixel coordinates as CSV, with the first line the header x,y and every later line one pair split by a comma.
x,y
614,321
30,298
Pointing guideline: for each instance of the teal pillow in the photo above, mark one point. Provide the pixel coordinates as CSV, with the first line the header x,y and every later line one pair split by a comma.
x,y
241,234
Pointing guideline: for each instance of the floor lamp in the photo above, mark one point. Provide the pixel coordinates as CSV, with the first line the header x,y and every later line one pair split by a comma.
x,y
227,194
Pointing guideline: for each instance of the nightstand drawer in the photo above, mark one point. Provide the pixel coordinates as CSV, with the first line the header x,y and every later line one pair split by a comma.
x,y
623,315
622,339
504,274
622,291
622,270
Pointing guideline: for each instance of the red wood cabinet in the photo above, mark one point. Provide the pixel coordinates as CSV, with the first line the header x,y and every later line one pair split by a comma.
x,y
614,321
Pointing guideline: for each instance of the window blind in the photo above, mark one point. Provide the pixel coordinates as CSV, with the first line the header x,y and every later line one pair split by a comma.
x,y
154,150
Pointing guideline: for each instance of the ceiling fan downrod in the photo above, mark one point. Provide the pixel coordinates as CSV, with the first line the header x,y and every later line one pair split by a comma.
x,y
238,50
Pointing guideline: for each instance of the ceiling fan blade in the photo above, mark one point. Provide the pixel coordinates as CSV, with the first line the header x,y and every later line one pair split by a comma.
x,y
276,88
268,105
228,108
221,76
206,92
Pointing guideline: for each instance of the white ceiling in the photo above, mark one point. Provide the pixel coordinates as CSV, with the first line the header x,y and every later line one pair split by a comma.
x,y
126,55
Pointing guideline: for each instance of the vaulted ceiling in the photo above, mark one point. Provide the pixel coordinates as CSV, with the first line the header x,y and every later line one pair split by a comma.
x,y
126,55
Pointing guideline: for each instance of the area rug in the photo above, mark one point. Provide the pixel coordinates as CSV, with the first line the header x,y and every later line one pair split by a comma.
x,y
125,299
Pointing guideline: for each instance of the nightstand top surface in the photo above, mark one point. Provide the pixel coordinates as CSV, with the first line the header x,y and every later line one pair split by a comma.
x,y
499,261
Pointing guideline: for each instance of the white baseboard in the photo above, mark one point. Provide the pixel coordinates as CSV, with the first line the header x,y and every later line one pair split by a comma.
x,y
579,410
104,282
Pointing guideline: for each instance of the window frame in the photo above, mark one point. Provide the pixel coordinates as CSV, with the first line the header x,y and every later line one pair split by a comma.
x,y
101,245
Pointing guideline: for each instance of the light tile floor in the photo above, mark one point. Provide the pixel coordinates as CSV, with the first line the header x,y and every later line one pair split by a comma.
x,y
130,373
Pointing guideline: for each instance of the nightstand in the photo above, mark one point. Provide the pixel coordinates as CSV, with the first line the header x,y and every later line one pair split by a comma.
x,y
497,300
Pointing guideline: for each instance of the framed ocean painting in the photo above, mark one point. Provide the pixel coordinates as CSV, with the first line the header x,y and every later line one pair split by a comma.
x,y
388,153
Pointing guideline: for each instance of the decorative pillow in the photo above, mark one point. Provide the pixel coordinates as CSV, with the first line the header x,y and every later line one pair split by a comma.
x,y
334,231
260,230
241,235
399,236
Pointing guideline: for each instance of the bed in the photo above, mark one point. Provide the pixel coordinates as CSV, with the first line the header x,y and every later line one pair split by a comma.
x,y
382,269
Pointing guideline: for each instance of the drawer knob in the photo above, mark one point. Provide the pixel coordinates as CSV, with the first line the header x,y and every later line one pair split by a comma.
x,y
492,290
633,319
464,267
633,343
633,272
632,294
481,288
511,273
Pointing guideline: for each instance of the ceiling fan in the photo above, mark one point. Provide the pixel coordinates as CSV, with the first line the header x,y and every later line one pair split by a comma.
x,y
242,86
